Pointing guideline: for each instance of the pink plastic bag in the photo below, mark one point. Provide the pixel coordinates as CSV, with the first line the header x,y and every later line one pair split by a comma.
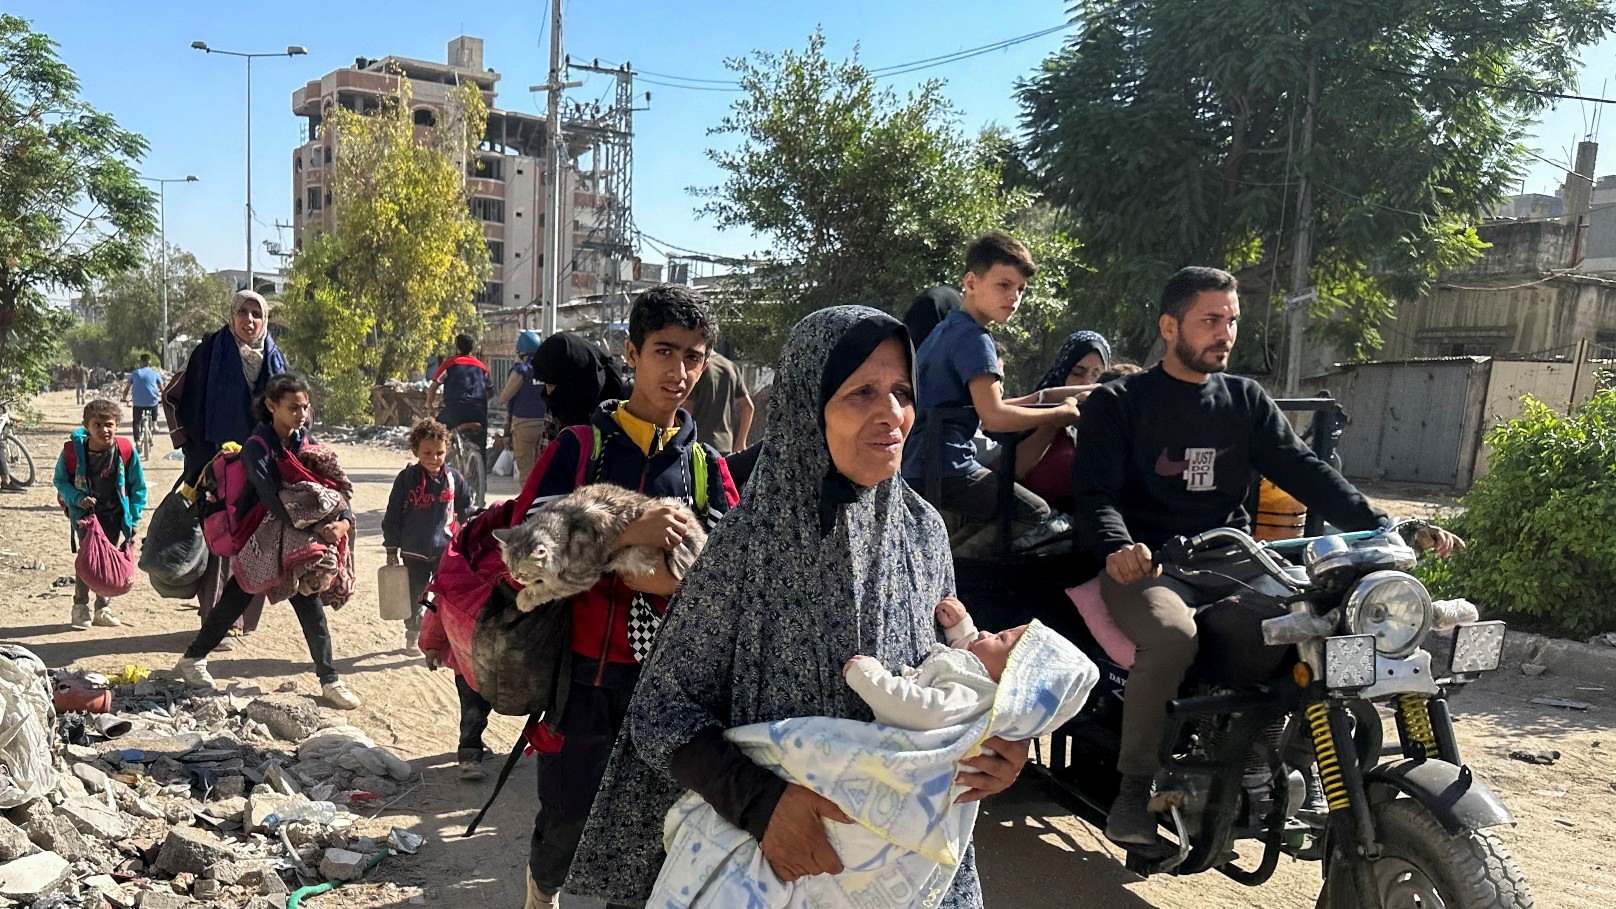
x,y
103,567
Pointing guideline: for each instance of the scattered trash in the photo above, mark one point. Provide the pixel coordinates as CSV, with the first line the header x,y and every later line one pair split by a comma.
x,y
1542,756
1563,822
1533,669
131,675
404,841
65,580
1608,639
1567,703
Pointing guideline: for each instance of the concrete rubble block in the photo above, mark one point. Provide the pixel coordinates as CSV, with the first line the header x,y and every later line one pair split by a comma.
x,y
57,835
93,777
193,850
267,902
226,809
290,717
164,899
33,876
68,787
94,818
247,873
206,889
343,865
182,882
14,842
228,787
271,884
152,743
379,786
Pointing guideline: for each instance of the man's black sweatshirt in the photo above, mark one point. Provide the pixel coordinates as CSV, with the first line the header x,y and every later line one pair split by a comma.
x,y
1158,457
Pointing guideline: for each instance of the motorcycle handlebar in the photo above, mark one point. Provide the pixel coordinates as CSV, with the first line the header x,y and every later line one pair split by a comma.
x,y
1178,551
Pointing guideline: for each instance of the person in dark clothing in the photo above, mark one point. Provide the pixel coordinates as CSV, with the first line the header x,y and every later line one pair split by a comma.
x,y
577,376
465,382
646,443
530,424
226,372
428,501
930,308
283,412
1174,451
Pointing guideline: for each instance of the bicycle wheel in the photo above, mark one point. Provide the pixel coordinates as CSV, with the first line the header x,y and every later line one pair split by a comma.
x,y
144,431
476,478
20,462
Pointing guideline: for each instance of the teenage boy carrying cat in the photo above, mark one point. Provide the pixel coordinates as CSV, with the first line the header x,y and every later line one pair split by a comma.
x,y
647,443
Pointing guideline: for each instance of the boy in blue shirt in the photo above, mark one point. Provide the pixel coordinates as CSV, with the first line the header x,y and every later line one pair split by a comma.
x,y
143,390
958,367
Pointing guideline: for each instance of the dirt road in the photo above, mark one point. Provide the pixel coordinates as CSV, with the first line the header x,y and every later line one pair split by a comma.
x,y
1031,853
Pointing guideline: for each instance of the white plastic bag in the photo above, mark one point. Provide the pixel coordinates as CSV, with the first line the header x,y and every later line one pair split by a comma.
x,y
27,727
505,464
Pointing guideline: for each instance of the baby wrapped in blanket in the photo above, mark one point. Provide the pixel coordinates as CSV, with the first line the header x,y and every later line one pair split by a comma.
x,y
894,777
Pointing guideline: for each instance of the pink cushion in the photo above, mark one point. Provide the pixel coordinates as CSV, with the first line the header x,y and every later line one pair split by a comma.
x,y
1112,640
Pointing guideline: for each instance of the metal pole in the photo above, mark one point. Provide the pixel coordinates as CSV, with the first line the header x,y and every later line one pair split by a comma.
x,y
553,219
1302,246
162,235
251,284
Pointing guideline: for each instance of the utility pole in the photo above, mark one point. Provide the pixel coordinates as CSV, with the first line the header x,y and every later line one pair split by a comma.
x,y
612,184
553,226
1302,294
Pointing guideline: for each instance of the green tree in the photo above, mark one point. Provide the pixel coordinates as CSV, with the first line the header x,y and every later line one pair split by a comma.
x,y
129,307
393,282
1173,133
71,208
866,196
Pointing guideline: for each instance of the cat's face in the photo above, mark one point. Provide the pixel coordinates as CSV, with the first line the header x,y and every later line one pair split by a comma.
x,y
532,550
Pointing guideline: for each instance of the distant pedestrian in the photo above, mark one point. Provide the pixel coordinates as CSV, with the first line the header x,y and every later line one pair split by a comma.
x,y
530,422
81,380
721,405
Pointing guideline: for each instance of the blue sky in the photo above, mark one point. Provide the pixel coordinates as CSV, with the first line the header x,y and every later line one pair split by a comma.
x,y
135,61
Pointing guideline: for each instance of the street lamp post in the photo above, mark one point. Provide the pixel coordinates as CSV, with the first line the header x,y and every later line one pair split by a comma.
x,y
294,50
162,234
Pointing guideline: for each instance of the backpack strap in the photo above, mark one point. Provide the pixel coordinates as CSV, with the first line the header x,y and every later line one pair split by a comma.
x,y
590,441
126,450
70,454
698,476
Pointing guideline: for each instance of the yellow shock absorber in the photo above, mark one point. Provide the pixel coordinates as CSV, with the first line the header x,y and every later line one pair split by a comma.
x,y
1417,722
1335,788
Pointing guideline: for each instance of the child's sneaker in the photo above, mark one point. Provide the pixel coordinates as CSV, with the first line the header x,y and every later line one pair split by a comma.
x,y
412,642
194,672
81,616
339,696
105,619
469,765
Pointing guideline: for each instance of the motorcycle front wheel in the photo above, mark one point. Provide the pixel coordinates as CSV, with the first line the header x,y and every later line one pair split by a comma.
x,y
1422,866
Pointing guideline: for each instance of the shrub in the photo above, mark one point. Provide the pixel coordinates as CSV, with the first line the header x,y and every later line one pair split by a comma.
x,y
1541,525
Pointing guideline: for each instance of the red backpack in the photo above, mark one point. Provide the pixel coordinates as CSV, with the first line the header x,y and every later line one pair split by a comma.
x,y
224,525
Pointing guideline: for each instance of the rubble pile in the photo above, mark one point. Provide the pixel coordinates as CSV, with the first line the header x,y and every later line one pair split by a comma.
x,y
207,800
375,436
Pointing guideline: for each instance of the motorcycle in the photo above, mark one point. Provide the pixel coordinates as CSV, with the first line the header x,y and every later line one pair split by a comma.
x,y
1276,740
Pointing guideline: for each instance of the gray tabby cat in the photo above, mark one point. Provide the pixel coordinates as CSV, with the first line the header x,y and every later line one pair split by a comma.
x,y
565,545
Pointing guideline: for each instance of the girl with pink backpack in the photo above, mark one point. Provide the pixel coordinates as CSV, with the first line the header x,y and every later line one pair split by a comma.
x,y
276,455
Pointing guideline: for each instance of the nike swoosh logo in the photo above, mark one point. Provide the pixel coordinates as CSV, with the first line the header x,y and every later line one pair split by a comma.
x,y
1167,467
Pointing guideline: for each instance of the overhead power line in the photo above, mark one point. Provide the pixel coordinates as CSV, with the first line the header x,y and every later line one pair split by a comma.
x,y
701,83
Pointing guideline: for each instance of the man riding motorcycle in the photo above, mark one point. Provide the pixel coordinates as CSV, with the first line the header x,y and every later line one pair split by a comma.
x,y
1174,451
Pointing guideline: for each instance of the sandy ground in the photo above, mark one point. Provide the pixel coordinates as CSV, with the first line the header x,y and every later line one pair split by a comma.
x,y
1032,854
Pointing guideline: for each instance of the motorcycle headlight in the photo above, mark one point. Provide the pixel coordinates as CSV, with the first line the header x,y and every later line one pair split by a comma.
x,y
1393,607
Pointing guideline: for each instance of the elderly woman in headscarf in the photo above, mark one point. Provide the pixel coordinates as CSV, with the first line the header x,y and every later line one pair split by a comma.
x,y
1044,458
577,376
226,373
829,554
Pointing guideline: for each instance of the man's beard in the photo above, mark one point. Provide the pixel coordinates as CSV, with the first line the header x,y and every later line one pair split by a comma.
x,y
1197,360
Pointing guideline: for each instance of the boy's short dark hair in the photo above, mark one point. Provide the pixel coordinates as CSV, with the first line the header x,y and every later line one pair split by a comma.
x,y
1187,283
427,431
465,344
998,248
145,359
670,304
101,407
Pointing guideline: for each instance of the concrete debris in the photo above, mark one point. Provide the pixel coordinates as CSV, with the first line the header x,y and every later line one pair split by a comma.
x,y
1533,669
33,876
1543,756
1567,703
208,800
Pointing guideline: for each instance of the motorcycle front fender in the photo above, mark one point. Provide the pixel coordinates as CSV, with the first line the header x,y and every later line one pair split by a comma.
x,y
1459,802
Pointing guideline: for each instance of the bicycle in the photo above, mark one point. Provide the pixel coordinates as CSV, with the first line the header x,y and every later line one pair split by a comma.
x,y
466,456
145,432
19,462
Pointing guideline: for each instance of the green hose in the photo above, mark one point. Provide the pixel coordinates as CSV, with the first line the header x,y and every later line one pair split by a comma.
x,y
297,897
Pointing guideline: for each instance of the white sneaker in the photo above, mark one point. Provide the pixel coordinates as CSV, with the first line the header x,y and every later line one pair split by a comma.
x,y
81,616
339,696
194,672
536,898
105,619
412,642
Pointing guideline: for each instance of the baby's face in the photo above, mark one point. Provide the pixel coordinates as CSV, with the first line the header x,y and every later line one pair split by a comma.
x,y
994,649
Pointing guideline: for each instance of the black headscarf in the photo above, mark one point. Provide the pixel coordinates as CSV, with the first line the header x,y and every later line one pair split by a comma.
x,y
930,308
761,626
582,374
1079,344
